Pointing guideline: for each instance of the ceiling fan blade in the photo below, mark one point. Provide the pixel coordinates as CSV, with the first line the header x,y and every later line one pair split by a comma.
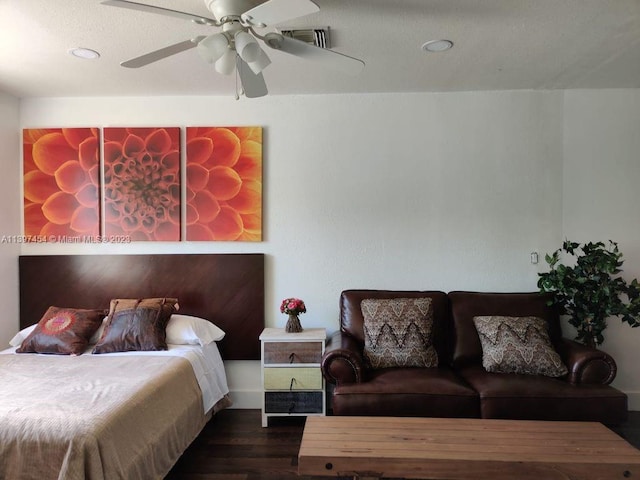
x,y
165,52
276,11
252,84
323,56
159,10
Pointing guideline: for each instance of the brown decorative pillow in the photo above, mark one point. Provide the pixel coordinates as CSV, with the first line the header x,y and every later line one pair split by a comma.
x,y
136,324
518,345
64,331
397,332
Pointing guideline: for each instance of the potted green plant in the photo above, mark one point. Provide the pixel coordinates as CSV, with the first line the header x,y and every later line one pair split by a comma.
x,y
590,289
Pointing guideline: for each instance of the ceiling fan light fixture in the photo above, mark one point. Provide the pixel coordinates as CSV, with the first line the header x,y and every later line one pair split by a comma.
x,y
213,47
236,48
247,47
226,64
274,40
262,62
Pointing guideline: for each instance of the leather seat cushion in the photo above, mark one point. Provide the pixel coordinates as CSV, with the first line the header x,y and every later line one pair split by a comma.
x,y
536,397
403,392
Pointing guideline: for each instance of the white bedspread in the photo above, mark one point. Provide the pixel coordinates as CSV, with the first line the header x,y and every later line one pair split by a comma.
x,y
120,416
206,362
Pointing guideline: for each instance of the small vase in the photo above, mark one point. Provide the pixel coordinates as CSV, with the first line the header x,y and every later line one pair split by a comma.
x,y
293,324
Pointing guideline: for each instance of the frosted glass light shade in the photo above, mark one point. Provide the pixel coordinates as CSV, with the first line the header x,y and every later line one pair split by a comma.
x,y
247,47
213,47
227,63
260,63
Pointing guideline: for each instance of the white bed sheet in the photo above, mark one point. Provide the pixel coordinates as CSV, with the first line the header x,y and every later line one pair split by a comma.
x,y
206,362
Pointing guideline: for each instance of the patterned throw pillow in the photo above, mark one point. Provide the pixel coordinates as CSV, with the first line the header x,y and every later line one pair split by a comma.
x,y
398,331
518,345
64,331
136,325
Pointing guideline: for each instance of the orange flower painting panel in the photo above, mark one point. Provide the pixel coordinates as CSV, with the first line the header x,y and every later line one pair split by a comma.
x,y
61,183
224,184
142,183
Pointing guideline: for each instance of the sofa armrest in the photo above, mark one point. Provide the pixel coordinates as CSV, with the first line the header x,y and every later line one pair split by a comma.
x,y
587,365
342,361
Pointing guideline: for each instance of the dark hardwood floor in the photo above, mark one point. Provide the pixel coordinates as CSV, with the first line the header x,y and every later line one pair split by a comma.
x,y
630,430
234,446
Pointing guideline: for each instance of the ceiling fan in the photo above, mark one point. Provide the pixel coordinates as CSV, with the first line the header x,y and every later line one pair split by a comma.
x,y
235,46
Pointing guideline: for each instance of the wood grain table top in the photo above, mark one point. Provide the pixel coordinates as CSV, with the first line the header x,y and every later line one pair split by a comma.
x,y
465,449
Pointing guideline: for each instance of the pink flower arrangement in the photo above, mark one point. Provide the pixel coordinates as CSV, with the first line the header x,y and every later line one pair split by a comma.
x,y
293,306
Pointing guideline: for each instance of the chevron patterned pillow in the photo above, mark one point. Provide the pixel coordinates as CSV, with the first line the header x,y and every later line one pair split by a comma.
x,y
398,332
518,345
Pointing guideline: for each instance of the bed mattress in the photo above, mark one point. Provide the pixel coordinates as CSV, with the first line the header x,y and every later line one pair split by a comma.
x,y
114,416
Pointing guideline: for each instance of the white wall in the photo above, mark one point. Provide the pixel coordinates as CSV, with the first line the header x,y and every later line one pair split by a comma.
x,y
418,191
442,191
399,191
10,214
601,198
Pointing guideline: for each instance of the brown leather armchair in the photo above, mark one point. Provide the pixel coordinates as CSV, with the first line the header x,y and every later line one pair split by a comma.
x,y
459,386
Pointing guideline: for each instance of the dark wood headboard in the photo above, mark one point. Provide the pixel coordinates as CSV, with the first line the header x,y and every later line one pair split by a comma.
x,y
226,289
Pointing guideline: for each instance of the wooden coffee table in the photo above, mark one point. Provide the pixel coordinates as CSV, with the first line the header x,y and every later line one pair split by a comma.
x,y
464,449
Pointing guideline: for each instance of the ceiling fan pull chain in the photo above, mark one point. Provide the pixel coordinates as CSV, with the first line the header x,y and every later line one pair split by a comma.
x,y
239,89
236,87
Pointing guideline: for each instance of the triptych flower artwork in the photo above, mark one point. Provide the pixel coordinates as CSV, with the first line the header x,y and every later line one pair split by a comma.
x,y
139,189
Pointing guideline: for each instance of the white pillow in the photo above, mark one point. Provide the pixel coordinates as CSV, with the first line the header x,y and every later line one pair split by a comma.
x,y
188,330
19,337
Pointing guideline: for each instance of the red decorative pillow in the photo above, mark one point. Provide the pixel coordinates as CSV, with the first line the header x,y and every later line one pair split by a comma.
x,y
136,324
63,331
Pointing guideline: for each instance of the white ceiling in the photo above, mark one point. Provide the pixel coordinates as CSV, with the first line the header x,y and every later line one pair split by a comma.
x,y
499,45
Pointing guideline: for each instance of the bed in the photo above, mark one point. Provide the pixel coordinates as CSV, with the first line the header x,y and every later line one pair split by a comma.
x,y
126,414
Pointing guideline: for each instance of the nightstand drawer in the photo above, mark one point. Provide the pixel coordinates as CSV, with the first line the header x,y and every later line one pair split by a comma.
x,y
292,380
292,352
302,378
293,402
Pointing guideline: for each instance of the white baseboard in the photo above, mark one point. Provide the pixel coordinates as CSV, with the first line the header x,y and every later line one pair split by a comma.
x,y
246,399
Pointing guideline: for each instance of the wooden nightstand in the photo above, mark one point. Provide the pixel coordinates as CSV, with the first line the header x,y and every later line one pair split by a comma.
x,y
291,376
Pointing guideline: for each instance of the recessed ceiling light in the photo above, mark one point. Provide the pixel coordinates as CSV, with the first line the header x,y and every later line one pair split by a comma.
x,y
437,45
85,53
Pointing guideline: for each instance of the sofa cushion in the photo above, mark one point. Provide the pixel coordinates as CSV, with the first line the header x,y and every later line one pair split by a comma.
x,y
517,345
352,318
536,397
404,392
397,332
466,305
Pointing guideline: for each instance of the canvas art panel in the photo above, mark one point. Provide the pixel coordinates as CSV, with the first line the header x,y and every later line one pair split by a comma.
x,y
61,175
142,183
224,184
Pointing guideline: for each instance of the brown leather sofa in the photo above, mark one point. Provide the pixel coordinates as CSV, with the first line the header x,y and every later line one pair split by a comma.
x,y
460,386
